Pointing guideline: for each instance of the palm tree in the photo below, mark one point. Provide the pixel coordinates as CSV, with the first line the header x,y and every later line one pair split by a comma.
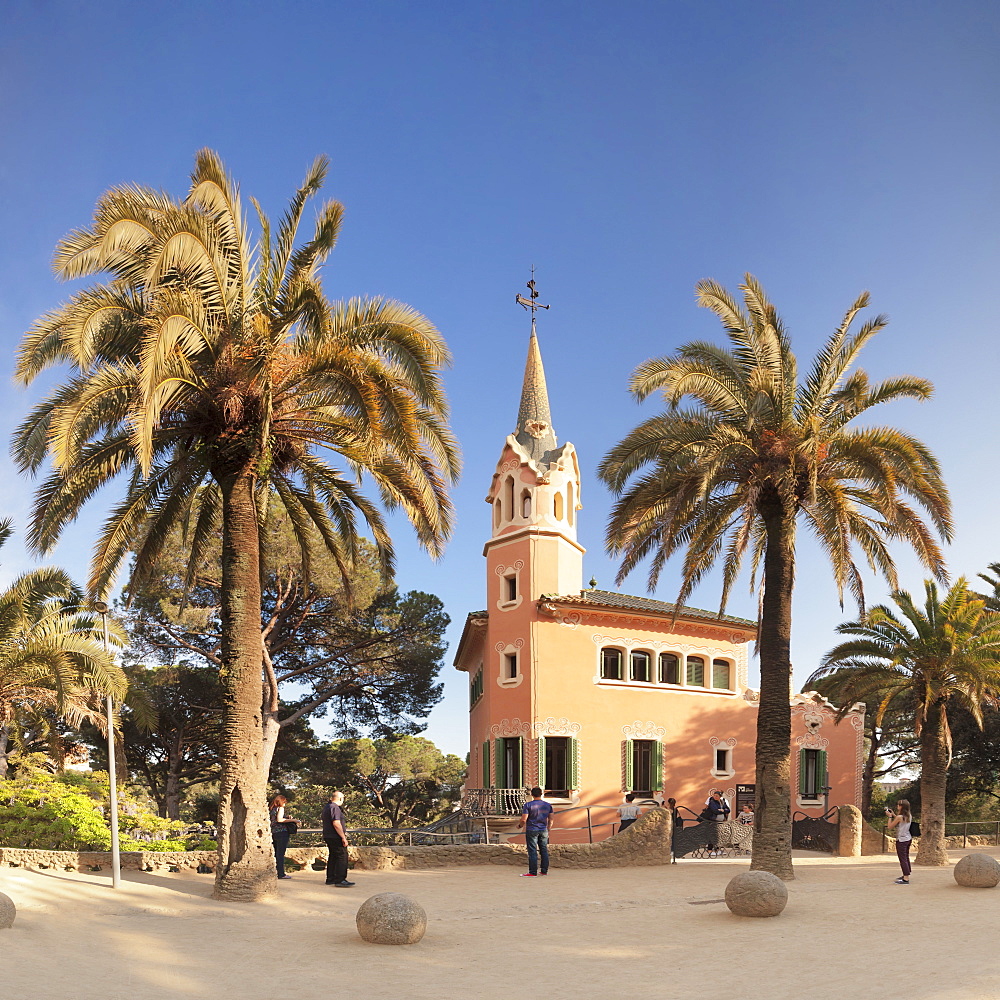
x,y
892,729
51,659
215,377
755,453
946,653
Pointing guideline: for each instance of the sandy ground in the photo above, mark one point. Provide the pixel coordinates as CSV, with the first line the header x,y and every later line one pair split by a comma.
x,y
847,932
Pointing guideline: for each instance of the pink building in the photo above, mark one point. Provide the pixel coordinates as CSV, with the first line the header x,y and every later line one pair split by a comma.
x,y
590,693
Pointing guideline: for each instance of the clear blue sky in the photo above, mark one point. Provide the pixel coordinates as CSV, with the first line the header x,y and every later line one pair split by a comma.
x,y
625,149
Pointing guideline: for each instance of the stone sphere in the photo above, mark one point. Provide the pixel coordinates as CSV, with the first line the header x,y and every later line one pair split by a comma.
x,y
978,871
391,918
7,911
756,894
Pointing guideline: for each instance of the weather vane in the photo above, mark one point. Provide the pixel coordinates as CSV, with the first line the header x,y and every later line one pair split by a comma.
x,y
531,302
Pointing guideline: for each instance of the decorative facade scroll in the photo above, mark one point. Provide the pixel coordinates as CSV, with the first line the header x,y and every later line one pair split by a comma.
x,y
556,727
510,727
715,743
643,731
502,647
571,620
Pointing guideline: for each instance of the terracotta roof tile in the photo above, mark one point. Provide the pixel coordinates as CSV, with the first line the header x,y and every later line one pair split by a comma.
x,y
609,599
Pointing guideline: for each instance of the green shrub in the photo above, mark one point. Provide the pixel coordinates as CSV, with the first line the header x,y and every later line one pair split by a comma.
x,y
67,813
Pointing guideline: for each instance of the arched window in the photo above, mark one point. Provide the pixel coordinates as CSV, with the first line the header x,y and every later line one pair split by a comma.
x,y
611,664
639,664
526,504
721,674
570,503
496,514
670,668
695,671
558,499
508,500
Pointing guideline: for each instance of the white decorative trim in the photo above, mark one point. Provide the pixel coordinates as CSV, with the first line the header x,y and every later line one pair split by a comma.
x,y
812,698
812,741
556,727
643,731
510,727
716,743
503,572
571,620
504,649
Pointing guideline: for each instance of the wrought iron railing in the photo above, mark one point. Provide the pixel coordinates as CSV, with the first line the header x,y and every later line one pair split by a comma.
x,y
494,801
816,833
980,828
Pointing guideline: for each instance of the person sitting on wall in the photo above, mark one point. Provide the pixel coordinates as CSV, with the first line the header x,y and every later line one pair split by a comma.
x,y
628,812
746,815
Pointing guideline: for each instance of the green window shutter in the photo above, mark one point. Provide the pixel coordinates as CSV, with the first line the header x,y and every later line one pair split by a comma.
x,y
499,764
486,763
573,765
629,751
517,780
820,771
802,772
657,767
541,763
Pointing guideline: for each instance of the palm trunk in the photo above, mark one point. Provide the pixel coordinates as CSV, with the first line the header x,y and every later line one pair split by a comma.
x,y
934,763
4,749
245,869
772,841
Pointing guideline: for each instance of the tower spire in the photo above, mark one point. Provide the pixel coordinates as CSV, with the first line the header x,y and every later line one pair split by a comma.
x,y
534,421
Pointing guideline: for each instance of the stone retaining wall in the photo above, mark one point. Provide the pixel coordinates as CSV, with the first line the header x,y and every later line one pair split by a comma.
x,y
645,842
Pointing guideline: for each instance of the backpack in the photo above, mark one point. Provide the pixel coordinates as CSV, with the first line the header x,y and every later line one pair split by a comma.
x,y
914,828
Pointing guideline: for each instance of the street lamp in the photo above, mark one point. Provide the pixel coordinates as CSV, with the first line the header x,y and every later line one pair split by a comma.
x,y
116,867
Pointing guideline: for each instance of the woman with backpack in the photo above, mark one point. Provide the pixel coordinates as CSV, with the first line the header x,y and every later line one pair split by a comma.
x,y
902,822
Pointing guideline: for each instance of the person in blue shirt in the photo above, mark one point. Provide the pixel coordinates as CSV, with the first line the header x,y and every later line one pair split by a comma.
x,y
536,818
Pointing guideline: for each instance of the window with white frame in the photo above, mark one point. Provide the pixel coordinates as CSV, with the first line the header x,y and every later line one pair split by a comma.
x,y
639,665
670,668
722,673
611,664
695,671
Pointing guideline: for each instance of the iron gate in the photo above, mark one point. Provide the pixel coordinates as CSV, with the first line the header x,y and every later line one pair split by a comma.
x,y
812,834
706,839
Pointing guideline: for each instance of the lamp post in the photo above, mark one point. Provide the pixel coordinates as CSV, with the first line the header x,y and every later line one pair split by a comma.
x,y
116,867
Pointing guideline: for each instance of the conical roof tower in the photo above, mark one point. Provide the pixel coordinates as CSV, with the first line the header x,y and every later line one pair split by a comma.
x,y
534,431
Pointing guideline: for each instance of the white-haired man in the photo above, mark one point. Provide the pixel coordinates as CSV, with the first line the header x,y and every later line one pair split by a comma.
x,y
335,836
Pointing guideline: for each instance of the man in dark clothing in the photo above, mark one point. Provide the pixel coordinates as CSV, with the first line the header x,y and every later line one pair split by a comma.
x,y
335,836
536,818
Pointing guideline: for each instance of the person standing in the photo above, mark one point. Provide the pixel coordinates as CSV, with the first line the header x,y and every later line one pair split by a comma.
x,y
675,814
628,813
335,836
536,818
280,831
900,822
716,811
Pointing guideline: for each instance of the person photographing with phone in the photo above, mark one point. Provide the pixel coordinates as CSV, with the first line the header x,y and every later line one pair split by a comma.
x,y
901,821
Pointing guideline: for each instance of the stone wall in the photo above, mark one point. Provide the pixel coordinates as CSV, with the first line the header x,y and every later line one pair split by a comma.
x,y
645,842
874,841
850,832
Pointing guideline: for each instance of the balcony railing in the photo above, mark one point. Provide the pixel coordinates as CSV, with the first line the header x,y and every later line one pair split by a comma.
x,y
494,801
